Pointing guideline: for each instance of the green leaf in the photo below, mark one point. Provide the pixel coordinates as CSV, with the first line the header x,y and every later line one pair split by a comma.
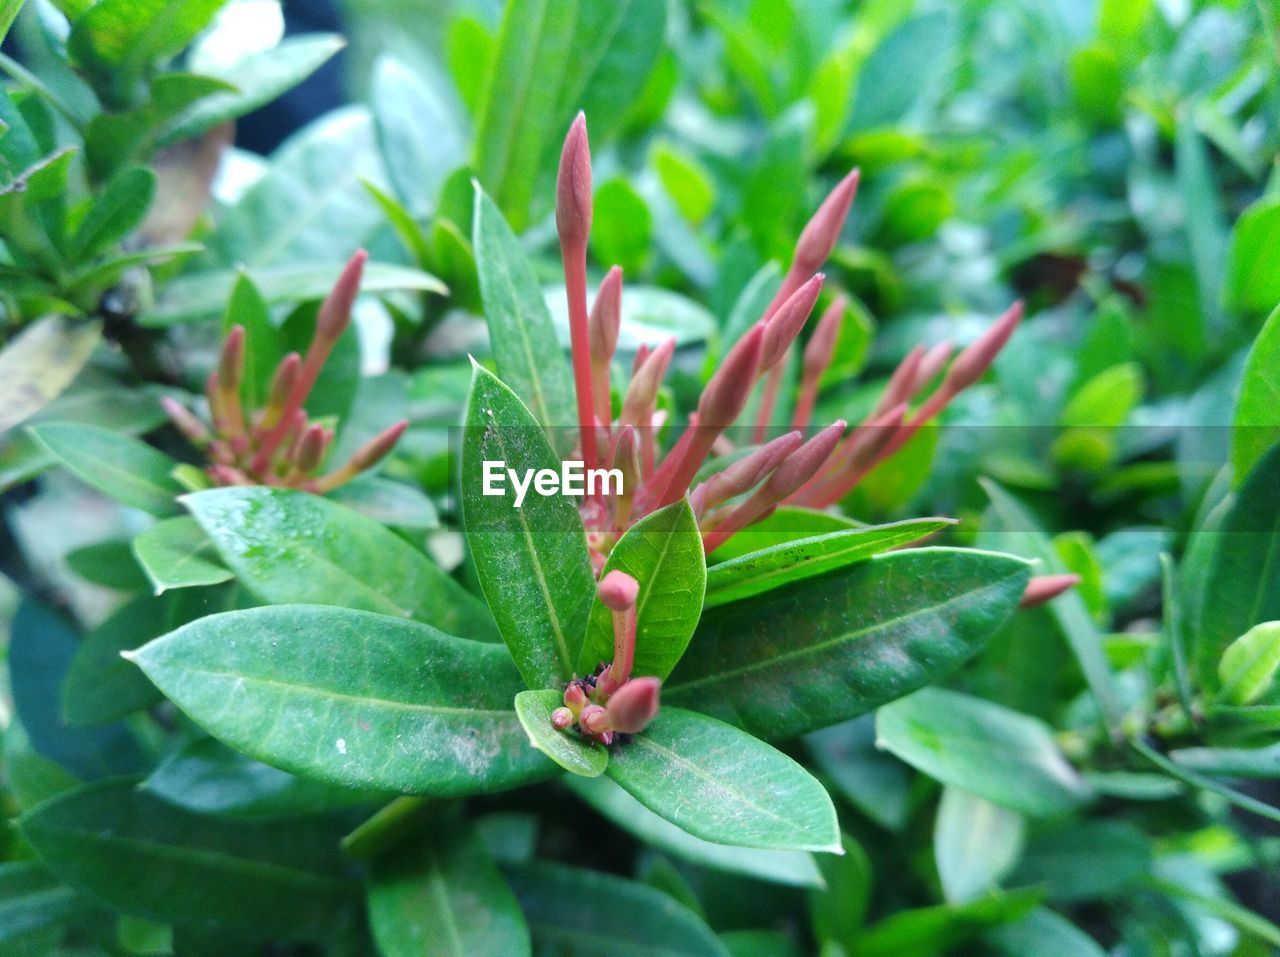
x,y
568,749
1242,588
263,349
796,868
928,931
1043,932
117,212
1086,860
531,561
1205,223
146,857
921,48
124,468
110,564
129,35
293,547
723,785
388,502
204,295
1248,666
40,362
30,899
444,895
873,781
1259,763
838,910
630,919
176,553
8,12
621,226
258,79
207,776
828,649
788,523
975,844
663,552
991,751
757,572
1252,280
524,341
1255,427
350,697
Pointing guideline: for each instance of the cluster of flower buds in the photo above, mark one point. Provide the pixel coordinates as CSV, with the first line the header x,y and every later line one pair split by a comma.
x,y
818,472
611,702
279,444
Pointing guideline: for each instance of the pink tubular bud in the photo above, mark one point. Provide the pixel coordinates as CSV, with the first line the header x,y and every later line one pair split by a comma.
x,y
335,311
575,699
618,591
605,318
743,474
561,718
785,324
931,363
378,447
633,705
822,344
1045,588
311,449
803,464
898,389
573,185
594,719
231,360
725,395
823,230
642,353
642,391
977,358
185,420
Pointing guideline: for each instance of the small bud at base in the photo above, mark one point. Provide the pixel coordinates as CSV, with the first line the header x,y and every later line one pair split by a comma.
x,y
561,718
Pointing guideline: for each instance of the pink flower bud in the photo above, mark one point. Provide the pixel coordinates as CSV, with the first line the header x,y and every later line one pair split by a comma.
x,y
185,420
874,437
281,385
977,358
931,363
335,311
726,394
898,389
561,718
785,324
231,361
823,230
378,447
575,699
311,449
743,474
606,316
1045,588
802,464
642,391
573,185
594,719
618,591
633,705
821,345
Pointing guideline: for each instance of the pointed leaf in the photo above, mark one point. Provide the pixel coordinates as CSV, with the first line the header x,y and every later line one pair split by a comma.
x,y
524,341
146,857
822,651
663,552
351,697
1248,666
1256,425
531,561
263,349
568,748
975,844
117,211
294,547
126,469
723,785
762,571
39,362
176,553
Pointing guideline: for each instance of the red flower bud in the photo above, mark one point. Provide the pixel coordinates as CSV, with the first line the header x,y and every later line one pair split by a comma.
x,y
802,464
725,395
642,392
573,185
784,325
618,591
817,354
335,311
633,705
1045,588
606,316
311,449
977,358
561,718
743,474
378,447
823,229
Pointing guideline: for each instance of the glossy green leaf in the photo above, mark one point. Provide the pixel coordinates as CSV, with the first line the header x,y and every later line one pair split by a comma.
x,y
723,785
128,35
920,48
621,226
531,561
777,867
444,895
208,777
1086,860
529,358
633,920
294,547
822,651
663,552
176,553
928,931
40,362
1248,666
126,469
778,565
1043,932
8,12
1255,427
1206,226
991,751
975,844
117,212
350,697
388,502
838,910
787,523
1252,282
146,857
30,899
569,749
110,564
1242,588
263,349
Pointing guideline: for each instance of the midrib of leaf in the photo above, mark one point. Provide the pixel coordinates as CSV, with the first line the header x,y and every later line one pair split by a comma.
x,y
843,638
132,479
437,888
359,586
183,853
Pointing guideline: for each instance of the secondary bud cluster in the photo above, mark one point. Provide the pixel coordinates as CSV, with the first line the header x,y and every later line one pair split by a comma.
x,y
278,444
817,473
611,702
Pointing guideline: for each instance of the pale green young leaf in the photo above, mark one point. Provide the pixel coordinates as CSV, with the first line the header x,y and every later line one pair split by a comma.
x,y
567,748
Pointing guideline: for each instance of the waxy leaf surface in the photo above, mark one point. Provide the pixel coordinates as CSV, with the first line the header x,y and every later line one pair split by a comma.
x,y
567,748
351,697
176,553
126,469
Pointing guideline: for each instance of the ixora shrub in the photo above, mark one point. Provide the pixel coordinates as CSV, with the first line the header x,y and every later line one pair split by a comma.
x,y
317,658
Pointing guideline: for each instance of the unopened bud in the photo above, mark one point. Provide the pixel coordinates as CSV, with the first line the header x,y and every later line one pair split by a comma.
x,y
642,391
606,317
311,449
335,311
633,705
378,447
898,389
785,324
561,718
231,360
283,381
977,358
802,464
575,699
573,185
743,474
185,420
1045,588
594,719
931,363
876,436
642,353
822,344
618,591
726,394
823,230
